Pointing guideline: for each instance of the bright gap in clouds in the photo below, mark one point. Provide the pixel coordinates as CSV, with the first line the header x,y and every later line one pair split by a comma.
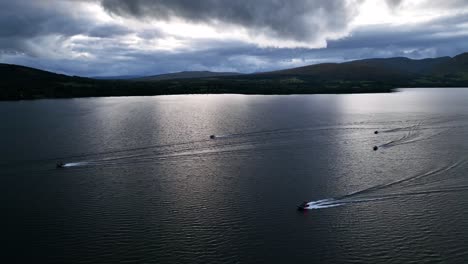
x,y
373,12
95,10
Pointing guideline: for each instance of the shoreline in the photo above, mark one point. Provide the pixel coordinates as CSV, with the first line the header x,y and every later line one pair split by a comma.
x,y
389,91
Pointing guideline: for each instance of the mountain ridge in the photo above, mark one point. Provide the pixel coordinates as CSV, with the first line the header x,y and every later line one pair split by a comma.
x,y
185,75
359,76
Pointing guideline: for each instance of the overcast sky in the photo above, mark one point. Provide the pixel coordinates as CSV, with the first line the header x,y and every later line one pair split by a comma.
x,y
144,37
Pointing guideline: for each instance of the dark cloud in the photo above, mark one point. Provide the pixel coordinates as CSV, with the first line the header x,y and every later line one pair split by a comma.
x,y
107,31
23,18
24,22
301,20
21,21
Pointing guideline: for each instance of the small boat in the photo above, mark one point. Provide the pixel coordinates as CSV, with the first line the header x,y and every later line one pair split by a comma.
x,y
376,132
60,165
212,137
376,148
303,206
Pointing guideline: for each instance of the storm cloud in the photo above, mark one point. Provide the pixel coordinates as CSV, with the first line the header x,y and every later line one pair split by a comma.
x,y
310,22
143,37
36,27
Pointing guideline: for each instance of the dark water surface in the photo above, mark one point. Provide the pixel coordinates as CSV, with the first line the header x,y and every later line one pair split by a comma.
x,y
145,184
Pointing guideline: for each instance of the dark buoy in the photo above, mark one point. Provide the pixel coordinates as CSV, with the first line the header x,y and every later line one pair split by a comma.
x,y
376,132
376,148
212,136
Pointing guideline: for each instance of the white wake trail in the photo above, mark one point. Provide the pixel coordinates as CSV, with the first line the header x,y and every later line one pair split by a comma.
x,y
75,164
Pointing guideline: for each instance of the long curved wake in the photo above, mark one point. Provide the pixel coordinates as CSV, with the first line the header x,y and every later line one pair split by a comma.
x,y
394,190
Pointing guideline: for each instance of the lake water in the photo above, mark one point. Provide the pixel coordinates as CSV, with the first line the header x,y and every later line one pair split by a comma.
x,y
144,183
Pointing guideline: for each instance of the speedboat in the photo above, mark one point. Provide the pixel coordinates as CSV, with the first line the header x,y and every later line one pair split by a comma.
x,y
376,132
303,206
212,137
376,148
60,165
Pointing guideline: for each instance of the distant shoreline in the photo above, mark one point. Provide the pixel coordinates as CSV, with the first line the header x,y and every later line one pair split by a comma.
x,y
361,91
233,93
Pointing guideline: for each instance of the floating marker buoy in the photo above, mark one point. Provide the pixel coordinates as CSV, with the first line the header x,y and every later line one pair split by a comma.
x,y
376,148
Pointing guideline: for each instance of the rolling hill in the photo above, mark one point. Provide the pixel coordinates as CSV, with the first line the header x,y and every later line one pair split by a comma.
x,y
369,75
186,75
371,69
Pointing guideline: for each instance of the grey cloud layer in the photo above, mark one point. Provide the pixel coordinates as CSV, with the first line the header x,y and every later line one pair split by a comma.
x,y
302,20
445,3
427,4
32,32
23,21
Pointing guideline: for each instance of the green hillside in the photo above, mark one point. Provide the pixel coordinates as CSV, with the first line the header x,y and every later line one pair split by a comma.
x,y
186,75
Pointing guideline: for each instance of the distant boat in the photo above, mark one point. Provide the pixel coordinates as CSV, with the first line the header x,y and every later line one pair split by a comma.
x,y
303,206
212,137
376,148
60,165
376,132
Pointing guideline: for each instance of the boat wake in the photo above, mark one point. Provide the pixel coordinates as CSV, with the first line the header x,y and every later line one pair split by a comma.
x,y
415,133
334,202
75,164
253,143
419,184
324,203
